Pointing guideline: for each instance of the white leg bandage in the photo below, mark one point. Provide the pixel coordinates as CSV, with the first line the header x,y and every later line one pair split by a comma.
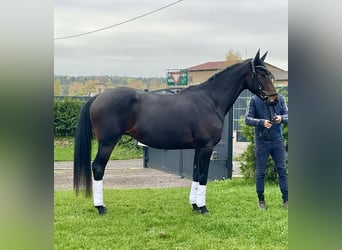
x,y
193,192
98,193
201,195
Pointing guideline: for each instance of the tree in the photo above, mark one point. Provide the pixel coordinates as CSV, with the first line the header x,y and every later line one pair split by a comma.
x,y
77,88
90,86
137,83
57,87
232,57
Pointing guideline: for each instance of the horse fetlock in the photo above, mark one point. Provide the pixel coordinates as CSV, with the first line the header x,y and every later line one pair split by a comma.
x,y
201,195
98,193
193,192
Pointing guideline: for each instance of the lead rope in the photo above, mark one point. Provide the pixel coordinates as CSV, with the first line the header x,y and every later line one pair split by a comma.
x,y
269,112
265,132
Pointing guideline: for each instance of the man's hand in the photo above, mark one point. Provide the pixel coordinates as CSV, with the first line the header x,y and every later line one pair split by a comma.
x,y
267,124
277,119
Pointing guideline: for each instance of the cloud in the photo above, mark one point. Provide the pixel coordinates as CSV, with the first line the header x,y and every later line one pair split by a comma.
x,y
186,34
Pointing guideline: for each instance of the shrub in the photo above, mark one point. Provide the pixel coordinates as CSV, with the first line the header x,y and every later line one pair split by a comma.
x,y
66,115
247,158
128,142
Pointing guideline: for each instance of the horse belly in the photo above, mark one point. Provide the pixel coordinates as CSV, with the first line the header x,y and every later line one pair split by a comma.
x,y
163,137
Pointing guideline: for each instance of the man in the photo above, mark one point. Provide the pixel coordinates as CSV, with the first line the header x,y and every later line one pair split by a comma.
x,y
269,140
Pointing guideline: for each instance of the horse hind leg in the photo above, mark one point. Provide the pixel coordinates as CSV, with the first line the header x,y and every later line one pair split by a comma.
x,y
98,168
203,169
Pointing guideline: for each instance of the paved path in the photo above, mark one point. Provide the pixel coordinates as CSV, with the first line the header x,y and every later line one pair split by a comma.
x,y
125,174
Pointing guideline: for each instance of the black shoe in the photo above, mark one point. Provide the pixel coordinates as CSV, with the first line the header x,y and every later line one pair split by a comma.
x,y
262,205
286,204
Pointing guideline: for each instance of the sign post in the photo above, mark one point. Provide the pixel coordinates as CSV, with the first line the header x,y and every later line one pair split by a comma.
x,y
177,77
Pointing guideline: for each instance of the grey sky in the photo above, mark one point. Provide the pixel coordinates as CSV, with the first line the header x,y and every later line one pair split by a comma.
x,y
183,35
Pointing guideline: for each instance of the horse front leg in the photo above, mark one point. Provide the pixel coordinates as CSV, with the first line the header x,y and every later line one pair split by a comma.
x,y
98,167
203,155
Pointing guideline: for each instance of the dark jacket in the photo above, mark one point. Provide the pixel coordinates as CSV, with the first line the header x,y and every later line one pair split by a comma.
x,y
256,114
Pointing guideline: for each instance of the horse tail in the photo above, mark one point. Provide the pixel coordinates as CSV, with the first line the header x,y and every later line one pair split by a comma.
x,y
82,150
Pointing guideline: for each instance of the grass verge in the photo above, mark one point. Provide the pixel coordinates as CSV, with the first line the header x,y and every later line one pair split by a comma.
x,y
162,219
64,150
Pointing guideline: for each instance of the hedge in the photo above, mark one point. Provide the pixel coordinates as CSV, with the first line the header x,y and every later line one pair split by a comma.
x,y
66,115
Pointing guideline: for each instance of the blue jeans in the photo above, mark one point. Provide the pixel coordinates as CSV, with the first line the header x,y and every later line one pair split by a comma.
x,y
277,151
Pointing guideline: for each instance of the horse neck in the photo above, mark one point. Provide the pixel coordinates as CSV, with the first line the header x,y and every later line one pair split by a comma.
x,y
224,88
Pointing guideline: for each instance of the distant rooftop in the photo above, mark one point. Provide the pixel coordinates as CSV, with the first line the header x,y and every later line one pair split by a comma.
x,y
208,66
217,65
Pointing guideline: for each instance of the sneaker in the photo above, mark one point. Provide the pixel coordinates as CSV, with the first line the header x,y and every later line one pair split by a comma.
x,y
262,205
286,205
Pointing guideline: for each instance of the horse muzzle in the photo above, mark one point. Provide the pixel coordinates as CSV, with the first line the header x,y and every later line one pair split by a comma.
x,y
270,99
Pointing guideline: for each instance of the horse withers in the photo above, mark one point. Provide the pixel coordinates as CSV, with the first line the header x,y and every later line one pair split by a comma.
x,y
190,119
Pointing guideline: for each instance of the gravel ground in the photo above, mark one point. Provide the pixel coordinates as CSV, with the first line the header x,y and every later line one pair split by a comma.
x,y
122,174
125,174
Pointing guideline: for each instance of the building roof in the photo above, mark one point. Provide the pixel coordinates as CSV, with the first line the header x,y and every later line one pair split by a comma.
x,y
217,65
208,66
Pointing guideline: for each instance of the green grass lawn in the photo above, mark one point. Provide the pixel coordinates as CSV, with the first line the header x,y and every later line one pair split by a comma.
x,y
64,150
162,219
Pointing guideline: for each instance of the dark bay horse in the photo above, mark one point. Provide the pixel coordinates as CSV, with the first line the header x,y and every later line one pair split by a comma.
x,y
191,119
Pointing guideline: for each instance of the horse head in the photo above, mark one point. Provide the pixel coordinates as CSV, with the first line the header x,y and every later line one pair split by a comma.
x,y
262,81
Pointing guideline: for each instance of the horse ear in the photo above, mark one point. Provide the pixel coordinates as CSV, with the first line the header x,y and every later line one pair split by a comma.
x,y
264,56
256,59
258,54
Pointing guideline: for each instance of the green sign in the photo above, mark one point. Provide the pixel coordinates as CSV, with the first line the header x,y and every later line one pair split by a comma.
x,y
177,77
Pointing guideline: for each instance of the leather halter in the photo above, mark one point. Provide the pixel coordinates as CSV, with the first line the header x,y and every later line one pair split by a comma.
x,y
261,92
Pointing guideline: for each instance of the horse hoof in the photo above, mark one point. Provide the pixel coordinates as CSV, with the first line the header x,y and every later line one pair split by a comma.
x,y
203,210
195,208
101,209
